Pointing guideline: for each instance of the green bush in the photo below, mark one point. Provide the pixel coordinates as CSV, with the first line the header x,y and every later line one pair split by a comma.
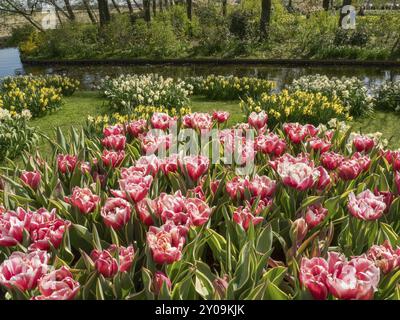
x,y
387,96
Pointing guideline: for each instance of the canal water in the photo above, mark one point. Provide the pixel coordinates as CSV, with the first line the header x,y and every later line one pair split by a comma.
x,y
89,76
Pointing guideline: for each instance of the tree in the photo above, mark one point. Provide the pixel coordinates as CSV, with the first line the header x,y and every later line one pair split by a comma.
x,y
325,4
146,7
343,15
18,8
265,17
104,12
89,11
224,5
189,9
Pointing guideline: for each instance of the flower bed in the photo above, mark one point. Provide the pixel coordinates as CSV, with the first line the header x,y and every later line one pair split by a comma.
x,y
66,85
110,217
39,95
298,106
129,91
15,134
230,87
387,96
350,91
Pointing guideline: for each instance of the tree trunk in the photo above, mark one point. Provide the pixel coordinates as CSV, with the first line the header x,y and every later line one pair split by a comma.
x,y
146,7
265,17
154,2
104,12
325,5
89,12
224,5
166,2
160,4
130,8
342,15
116,6
69,9
189,9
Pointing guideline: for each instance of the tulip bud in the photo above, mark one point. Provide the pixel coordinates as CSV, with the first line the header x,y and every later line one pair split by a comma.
x,y
298,230
221,286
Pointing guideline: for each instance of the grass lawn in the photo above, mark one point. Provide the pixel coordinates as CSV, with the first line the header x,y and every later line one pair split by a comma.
x,y
84,103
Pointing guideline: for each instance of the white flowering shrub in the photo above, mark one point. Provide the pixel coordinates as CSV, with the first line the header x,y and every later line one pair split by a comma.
x,y
15,134
387,96
128,91
351,91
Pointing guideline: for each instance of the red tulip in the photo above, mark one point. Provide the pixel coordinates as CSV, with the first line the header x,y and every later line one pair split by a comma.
x,y
258,120
85,168
66,163
363,143
198,120
298,133
384,257
356,279
318,144
23,270
135,128
388,198
142,208
58,285
199,211
125,256
270,144
366,206
114,142
169,164
150,164
221,286
31,178
12,227
237,186
244,217
49,232
324,179
363,161
300,176
112,158
137,187
113,130
194,166
331,160
298,230
315,214
116,213
162,121
159,280
151,142
262,186
220,116
397,181
104,263
393,157
313,274
166,243
349,170
83,199
214,185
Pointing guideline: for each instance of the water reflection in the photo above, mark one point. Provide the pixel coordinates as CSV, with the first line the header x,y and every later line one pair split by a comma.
x,y
10,62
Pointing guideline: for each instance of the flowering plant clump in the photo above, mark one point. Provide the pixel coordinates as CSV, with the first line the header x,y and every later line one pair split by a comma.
x,y
230,87
298,106
15,134
127,92
136,211
351,92
387,96
66,85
